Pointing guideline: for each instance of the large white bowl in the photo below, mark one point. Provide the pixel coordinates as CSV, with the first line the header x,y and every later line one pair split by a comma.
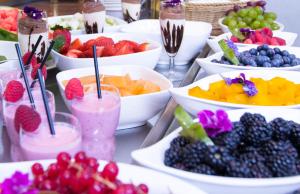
x,y
194,38
225,28
135,110
213,68
8,49
193,104
148,58
161,184
289,37
153,157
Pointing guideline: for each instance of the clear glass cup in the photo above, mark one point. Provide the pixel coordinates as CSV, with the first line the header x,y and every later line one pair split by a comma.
x,y
9,110
172,22
30,27
99,120
42,144
131,10
94,16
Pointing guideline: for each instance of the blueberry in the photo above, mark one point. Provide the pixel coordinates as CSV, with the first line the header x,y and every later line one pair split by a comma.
x,y
277,56
252,63
277,50
267,64
246,54
263,53
275,62
253,51
259,48
286,65
223,58
270,52
260,60
292,57
286,60
265,47
285,53
296,62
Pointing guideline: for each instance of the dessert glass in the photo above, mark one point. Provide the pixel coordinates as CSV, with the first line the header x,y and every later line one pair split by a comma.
x,y
131,10
172,22
94,16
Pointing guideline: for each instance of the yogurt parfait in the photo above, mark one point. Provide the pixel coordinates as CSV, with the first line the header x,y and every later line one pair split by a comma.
x,y
94,16
131,10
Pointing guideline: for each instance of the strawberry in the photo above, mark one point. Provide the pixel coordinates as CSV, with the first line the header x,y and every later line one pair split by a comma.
x,y
104,41
132,45
234,39
35,69
74,89
14,91
280,41
62,38
75,53
142,47
89,52
274,42
89,44
258,36
125,49
27,118
76,44
109,51
248,41
25,58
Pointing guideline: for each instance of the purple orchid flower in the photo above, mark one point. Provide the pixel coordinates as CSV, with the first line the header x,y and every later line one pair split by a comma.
x,y
214,123
33,12
231,45
171,3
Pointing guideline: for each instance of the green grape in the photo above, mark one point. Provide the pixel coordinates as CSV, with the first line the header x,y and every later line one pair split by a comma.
x,y
234,30
226,20
242,24
232,13
260,18
256,24
252,14
274,26
265,24
239,19
271,15
247,20
242,12
269,20
232,23
258,10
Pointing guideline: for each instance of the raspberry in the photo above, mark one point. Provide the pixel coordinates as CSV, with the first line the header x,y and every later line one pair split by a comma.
x,y
33,61
34,71
74,89
14,91
27,118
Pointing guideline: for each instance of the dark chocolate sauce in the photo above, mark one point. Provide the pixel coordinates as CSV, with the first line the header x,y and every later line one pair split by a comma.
x,y
92,29
172,39
127,16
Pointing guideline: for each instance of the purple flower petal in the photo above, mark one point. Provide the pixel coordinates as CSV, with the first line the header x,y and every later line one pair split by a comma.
x,y
33,12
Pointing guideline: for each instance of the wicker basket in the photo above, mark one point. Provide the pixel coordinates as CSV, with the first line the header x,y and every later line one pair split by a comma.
x,y
210,12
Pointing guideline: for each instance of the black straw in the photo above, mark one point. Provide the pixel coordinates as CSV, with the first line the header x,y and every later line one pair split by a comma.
x,y
33,50
97,72
24,75
46,102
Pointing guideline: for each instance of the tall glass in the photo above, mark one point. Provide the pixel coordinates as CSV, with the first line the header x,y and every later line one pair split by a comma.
x,y
94,16
42,145
172,22
99,120
30,27
131,10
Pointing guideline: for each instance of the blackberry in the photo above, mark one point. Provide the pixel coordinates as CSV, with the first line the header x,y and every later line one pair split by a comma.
x,y
295,136
252,157
282,165
172,156
298,166
273,148
246,149
281,128
249,119
258,134
180,166
218,157
239,128
231,140
259,170
204,169
180,141
193,154
238,169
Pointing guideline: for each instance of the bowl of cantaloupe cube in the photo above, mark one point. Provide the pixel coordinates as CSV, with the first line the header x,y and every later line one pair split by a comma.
x,y
273,88
143,91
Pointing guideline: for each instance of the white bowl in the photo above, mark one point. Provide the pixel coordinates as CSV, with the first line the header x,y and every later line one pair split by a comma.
x,y
107,28
135,110
225,28
213,68
8,49
192,104
148,58
289,37
153,157
194,38
161,184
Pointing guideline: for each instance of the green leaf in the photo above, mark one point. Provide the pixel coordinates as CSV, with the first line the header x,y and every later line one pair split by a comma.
x,y
183,118
8,36
2,58
59,43
228,52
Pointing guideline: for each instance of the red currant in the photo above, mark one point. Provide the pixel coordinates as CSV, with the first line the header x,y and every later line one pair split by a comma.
x,y
86,178
98,188
37,169
63,159
65,178
38,180
92,163
125,189
49,185
143,188
80,157
110,171
52,171
75,185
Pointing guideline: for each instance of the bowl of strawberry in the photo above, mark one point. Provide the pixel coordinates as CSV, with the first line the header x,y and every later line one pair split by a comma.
x,y
72,52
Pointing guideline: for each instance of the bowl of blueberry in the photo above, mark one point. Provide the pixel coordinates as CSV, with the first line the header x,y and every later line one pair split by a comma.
x,y
254,57
238,151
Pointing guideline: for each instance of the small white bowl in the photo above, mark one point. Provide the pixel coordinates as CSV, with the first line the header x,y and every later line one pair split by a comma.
x,y
289,37
225,28
148,58
153,157
135,110
161,184
194,38
213,68
192,104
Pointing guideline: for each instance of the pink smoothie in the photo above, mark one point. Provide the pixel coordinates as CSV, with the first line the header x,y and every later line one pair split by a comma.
x,y
42,145
99,119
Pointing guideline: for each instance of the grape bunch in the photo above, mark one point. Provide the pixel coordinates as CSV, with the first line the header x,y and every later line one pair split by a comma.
x,y
251,16
81,175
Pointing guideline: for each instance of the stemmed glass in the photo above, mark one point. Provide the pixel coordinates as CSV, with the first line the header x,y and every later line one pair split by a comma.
x,y
172,22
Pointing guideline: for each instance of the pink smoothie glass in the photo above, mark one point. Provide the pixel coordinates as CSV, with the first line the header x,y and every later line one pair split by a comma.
x,y
41,144
9,110
99,120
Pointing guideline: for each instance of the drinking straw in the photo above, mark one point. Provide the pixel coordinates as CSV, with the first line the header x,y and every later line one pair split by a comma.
x,y
46,102
33,50
24,75
97,72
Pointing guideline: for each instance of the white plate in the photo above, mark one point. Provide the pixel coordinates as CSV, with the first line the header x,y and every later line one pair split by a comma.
x,y
135,110
225,28
213,68
192,104
289,37
153,156
107,28
148,58
194,38
161,184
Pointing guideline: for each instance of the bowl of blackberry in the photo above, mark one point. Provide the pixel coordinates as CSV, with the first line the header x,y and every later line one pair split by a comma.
x,y
254,57
249,150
